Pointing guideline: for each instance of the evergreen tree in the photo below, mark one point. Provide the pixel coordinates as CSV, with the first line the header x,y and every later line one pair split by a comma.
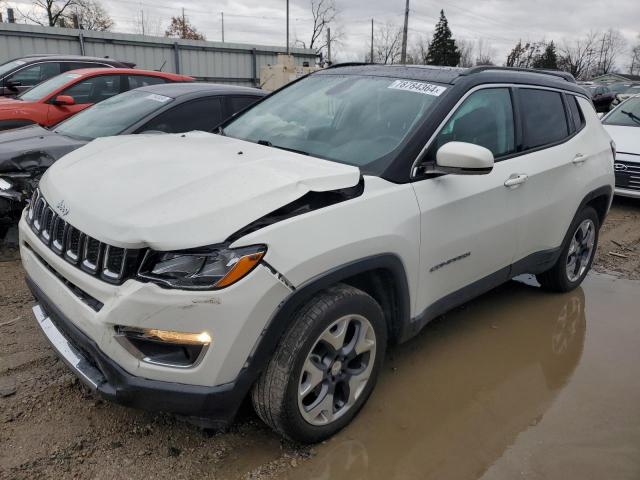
x,y
443,49
548,59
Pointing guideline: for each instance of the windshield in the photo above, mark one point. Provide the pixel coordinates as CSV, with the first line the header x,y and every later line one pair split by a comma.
x,y
6,67
627,114
45,88
358,120
112,116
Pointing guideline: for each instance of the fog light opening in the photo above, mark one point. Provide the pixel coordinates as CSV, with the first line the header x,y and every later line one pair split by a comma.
x,y
164,347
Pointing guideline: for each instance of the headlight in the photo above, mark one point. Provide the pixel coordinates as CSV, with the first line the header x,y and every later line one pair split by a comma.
x,y
206,268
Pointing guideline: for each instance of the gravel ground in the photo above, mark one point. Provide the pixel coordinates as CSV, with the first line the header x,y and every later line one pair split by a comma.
x,y
52,427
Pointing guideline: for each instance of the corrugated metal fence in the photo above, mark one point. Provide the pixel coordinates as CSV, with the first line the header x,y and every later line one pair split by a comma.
x,y
232,63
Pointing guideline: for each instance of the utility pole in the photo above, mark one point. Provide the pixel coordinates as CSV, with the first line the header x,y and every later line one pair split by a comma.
x,y
184,25
403,57
222,14
142,20
329,45
287,27
371,59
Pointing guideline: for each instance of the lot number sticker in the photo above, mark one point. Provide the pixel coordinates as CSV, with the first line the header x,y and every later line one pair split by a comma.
x,y
158,98
418,87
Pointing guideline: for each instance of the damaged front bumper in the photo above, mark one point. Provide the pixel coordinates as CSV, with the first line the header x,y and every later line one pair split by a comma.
x,y
213,407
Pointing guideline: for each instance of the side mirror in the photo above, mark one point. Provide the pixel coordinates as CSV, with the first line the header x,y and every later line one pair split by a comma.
x,y
464,159
64,100
12,84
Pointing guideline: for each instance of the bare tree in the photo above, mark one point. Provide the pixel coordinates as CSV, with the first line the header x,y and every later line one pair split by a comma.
x,y
417,51
485,53
324,13
386,44
89,15
577,56
146,24
612,44
634,66
466,48
48,12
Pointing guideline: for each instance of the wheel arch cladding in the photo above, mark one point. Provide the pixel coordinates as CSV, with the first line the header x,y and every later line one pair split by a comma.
x,y
599,200
381,276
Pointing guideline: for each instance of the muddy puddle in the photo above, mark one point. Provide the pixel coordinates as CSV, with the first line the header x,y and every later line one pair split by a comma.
x,y
519,384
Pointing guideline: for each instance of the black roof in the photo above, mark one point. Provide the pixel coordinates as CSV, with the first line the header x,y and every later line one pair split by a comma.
x,y
454,75
175,90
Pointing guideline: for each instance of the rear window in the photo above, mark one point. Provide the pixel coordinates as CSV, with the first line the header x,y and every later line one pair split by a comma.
x,y
543,117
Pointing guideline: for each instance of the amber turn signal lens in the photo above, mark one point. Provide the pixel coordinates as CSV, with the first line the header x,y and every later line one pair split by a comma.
x,y
242,267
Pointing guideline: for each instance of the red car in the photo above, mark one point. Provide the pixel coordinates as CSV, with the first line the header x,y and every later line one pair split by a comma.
x,y
60,97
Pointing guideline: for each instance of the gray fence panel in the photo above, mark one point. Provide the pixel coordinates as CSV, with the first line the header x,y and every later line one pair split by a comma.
x,y
233,63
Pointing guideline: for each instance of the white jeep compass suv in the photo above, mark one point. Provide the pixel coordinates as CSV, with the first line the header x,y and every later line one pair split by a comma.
x,y
280,257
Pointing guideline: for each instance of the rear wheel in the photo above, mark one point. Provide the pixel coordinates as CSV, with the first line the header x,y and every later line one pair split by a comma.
x,y
577,254
325,366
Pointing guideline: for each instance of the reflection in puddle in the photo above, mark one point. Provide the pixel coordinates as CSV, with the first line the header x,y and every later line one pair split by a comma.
x,y
452,400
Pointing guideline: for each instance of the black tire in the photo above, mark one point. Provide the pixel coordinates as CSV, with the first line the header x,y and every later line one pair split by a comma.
x,y
275,394
557,279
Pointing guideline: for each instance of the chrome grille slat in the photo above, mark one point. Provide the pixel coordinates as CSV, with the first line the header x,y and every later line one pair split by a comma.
x,y
98,259
48,219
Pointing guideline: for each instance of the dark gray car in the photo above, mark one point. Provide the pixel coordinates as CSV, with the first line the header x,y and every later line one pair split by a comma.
x,y
25,153
20,74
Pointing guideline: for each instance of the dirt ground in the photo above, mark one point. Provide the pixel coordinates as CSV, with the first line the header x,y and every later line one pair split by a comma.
x,y
52,427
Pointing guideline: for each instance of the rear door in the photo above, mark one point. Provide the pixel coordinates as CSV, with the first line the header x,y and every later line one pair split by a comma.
x,y
237,103
552,156
468,233
201,114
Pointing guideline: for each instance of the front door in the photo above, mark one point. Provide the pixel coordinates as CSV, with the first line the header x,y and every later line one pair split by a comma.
x,y
468,233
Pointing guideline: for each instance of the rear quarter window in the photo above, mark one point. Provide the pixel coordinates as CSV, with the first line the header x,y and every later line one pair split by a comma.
x,y
544,119
577,117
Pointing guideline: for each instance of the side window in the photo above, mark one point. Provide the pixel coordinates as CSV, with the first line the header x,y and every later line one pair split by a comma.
x,y
203,114
237,104
577,116
136,81
79,65
94,89
486,119
35,74
543,117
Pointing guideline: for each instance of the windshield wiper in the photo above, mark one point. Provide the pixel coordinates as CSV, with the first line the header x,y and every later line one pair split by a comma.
x,y
631,115
267,143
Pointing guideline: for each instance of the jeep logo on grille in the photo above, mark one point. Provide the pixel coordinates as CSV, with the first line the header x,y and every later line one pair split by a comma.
x,y
619,167
62,208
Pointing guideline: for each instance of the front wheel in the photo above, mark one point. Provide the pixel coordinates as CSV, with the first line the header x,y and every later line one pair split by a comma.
x,y
577,254
325,366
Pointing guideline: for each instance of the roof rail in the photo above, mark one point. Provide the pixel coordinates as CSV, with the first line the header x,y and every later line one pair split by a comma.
x,y
556,73
349,64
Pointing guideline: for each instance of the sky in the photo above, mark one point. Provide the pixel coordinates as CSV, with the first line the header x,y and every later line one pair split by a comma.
x,y
499,23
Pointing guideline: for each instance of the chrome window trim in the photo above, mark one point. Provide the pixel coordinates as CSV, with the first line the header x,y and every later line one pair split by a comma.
x,y
417,161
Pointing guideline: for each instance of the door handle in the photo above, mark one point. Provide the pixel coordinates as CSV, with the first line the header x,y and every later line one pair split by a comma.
x,y
578,159
516,179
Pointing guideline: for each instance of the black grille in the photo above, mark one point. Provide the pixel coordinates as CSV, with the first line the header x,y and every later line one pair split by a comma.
x,y
627,175
112,264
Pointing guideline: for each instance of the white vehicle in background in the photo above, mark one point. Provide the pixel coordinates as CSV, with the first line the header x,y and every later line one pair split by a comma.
x,y
623,124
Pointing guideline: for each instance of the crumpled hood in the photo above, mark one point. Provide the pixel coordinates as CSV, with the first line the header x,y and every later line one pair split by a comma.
x,y
627,139
32,148
181,191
